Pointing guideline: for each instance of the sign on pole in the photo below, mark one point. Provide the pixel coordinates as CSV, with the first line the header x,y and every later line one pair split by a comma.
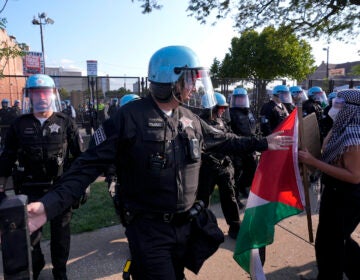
x,y
91,67
33,63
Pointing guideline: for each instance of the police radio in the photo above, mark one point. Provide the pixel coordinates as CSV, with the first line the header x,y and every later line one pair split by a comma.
x,y
15,238
156,163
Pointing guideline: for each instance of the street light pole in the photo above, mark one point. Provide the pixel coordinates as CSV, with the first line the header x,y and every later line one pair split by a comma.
x,y
327,61
42,20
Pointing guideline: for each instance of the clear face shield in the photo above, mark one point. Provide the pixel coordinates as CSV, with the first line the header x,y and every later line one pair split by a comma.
x,y
239,101
39,100
321,98
299,96
193,84
285,97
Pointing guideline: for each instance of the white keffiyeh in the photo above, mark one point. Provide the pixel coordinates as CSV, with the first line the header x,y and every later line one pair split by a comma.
x,y
346,128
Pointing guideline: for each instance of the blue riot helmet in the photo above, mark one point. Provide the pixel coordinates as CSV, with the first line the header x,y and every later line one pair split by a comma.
x,y
5,103
63,105
17,102
239,98
297,94
114,101
128,98
220,100
283,93
176,72
41,95
318,95
331,96
206,102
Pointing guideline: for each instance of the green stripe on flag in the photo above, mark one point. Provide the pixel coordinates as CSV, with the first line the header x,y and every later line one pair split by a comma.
x,y
257,229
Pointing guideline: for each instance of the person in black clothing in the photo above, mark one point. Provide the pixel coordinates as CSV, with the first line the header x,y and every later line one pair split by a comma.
x,y
298,95
243,123
326,122
40,142
273,112
90,119
316,104
16,108
286,99
7,116
156,147
113,108
217,168
336,252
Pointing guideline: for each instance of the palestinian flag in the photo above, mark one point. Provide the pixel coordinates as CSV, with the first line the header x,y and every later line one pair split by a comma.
x,y
276,193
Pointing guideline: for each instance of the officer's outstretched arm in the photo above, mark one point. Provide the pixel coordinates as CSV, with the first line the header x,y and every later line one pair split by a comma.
x,y
278,142
36,216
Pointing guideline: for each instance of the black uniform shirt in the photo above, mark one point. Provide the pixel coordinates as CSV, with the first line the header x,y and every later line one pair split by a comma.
x,y
41,150
157,158
271,115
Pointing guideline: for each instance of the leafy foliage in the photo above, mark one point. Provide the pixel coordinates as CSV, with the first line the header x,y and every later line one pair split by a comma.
x,y
271,54
314,19
355,70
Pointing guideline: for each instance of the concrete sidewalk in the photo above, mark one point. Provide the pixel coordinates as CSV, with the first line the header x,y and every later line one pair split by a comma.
x,y
100,254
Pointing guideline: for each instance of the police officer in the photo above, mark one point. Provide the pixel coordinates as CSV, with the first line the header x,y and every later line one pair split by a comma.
x,y
326,122
113,108
6,118
273,112
68,109
298,95
90,118
110,174
243,123
16,108
316,104
40,142
156,146
217,168
287,100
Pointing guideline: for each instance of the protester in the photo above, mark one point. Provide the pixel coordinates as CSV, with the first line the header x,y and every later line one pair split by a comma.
x,y
41,143
336,251
156,146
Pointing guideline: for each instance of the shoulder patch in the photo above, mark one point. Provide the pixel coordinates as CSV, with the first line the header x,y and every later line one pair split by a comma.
x,y
99,136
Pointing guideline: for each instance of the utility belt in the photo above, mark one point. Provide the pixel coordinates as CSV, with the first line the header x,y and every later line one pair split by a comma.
x,y
170,218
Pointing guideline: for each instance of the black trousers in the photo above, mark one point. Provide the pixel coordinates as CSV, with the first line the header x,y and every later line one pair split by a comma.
x,y
59,242
157,249
336,251
224,178
245,167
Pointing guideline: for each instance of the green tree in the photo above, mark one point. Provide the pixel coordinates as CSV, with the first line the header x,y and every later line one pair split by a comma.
x,y
271,54
266,56
314,19
64,94
355,70
215,68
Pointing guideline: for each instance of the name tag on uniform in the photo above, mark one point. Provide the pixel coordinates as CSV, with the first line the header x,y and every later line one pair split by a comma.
x,y
155,123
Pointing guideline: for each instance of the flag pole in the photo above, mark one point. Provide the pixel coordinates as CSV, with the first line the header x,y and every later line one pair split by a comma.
x,y
304,170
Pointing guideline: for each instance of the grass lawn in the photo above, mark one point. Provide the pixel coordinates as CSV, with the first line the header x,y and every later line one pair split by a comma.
x,y
98,211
